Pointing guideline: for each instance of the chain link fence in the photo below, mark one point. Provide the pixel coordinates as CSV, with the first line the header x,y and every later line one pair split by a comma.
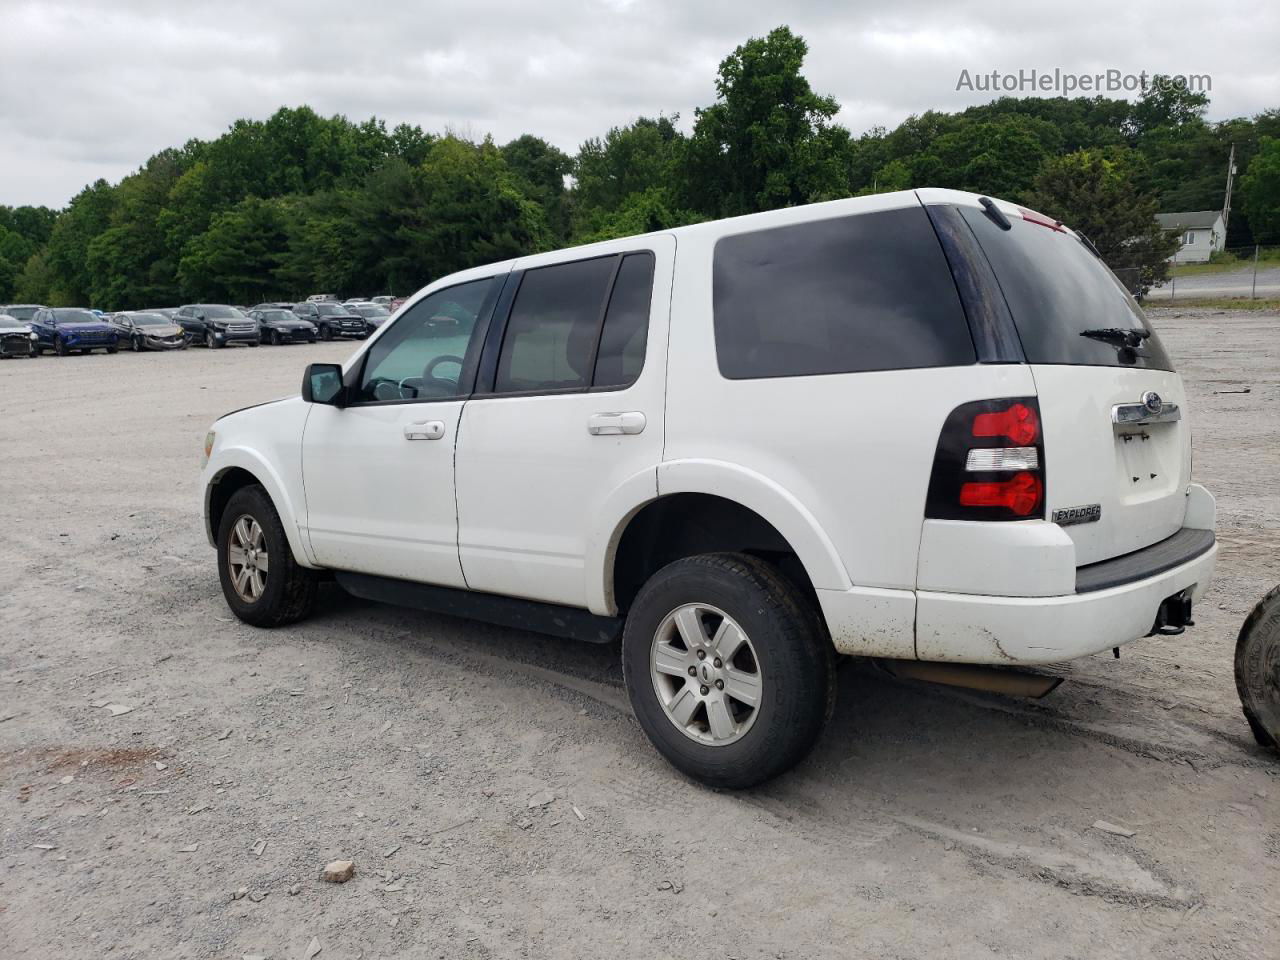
x,y
1251,272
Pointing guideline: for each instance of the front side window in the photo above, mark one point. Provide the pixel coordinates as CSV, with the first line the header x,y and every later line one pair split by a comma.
x,y
860,293
427,352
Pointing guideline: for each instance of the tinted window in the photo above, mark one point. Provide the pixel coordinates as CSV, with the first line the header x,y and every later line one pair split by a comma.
x,y
1056,289
866,292
424,354
626,324
551,334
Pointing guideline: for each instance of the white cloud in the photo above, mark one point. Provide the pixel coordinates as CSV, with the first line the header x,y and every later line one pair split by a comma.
x,y
91,90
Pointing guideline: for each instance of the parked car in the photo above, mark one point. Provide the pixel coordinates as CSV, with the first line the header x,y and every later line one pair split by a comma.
x,y
920,426
17,339
25,312
278,325
166,312
143,330
216,325
333,320
383,300
66,330
374,314
322,298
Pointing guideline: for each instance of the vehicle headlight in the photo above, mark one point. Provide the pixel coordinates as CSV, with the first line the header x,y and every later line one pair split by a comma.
x,y
208,447
33,335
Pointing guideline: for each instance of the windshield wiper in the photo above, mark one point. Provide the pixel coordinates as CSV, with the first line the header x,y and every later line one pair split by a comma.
x,y
1126,336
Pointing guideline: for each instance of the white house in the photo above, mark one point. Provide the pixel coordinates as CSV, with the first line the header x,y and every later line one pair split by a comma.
x,y
1202,233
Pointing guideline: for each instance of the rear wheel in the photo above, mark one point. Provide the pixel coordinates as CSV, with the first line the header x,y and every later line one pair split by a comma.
x,y
261,581
728,668
1258,670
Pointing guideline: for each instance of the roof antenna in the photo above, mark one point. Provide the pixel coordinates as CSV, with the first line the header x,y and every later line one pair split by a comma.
x,y
995,213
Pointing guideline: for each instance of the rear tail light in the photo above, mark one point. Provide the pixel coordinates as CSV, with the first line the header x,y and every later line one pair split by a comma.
x,y
989,464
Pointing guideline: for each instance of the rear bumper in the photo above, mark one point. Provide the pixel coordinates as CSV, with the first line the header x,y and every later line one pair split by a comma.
x,y
966,628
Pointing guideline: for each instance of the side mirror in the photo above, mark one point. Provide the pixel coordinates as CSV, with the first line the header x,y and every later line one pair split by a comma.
x,y
322,383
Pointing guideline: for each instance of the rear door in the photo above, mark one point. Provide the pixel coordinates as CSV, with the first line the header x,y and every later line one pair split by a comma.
x,y
573,411
1117,438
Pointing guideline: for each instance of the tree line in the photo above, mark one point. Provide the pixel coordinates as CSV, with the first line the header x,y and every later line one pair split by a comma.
x,y
297,203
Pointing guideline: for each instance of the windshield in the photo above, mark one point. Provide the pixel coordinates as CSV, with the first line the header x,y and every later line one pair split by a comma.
x,y
332,310
372,310
72,315
148,319
217,311
1057,290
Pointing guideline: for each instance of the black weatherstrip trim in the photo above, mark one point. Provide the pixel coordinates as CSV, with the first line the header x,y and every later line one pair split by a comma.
x,y
1183,547
995,338
550,618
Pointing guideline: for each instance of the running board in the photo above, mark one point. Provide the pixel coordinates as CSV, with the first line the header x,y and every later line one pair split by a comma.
x,y
1013,683
549,618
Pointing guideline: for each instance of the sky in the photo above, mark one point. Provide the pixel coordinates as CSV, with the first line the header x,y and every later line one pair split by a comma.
x,y
91,89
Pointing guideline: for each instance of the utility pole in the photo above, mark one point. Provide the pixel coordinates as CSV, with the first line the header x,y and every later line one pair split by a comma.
x,y
1226,203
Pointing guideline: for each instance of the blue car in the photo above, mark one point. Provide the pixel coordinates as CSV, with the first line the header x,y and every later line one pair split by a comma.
x,y
66,330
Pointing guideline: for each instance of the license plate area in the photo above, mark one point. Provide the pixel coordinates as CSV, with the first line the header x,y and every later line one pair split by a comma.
x,y
1147,461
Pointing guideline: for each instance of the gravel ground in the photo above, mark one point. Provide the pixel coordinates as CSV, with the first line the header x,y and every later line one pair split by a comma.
x,y
929,822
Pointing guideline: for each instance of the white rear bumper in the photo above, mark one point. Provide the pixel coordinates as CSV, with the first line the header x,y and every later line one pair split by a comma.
x,y
977,629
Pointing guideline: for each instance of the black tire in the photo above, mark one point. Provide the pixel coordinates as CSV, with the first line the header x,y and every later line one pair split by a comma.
x,y
113,348
325,332
33,350
1258,670
795,661
289,593
210,340
60,347
136,344
275,338
254,343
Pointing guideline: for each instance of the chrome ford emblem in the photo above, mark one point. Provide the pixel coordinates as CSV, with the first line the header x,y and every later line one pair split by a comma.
x,y
1151,400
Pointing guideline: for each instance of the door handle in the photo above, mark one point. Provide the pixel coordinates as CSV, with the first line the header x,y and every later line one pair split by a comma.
x,y
615,424
424,430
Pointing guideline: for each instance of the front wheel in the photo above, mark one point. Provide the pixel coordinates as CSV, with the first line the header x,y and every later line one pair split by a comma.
x,y
1258,670
728,668
113,348
136,344
210,341
60,347
261,580
325,332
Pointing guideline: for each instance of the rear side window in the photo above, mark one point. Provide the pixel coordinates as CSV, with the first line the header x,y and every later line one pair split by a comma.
x,y
1057,290
626,324
550,340
866,292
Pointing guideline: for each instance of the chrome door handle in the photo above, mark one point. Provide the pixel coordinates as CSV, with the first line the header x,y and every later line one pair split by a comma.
x,y
424,430
615,424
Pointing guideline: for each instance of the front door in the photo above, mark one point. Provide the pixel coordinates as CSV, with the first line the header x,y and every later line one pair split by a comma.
x,y
572,412
378,472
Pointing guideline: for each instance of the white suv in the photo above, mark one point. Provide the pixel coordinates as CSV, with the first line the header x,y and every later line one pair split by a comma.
x,y
918,426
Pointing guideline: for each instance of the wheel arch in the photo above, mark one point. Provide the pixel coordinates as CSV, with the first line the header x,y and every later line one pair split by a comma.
x,y
236,472
706,508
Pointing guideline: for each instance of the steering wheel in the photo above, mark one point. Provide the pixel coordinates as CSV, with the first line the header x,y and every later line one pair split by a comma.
x,y
430,374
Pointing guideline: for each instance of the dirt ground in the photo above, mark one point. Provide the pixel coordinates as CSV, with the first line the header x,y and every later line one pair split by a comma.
x,y
928,823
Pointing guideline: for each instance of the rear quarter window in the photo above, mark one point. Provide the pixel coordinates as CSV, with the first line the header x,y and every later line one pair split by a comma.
x,y
1057,289
866,292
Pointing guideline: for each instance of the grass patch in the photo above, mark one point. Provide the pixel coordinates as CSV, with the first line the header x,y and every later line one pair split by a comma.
x,y
1213,303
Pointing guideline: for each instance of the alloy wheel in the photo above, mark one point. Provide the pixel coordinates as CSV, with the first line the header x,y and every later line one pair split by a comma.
x,y
247,558
706,674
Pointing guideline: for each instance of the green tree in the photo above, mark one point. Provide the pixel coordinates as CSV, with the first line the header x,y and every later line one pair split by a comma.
x,y
1260,192
67,253
767,141
1095,192
540,169
235,260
